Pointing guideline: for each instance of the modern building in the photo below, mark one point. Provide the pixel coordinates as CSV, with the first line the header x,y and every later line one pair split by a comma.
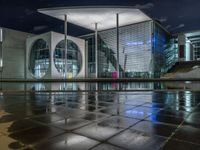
x,y
142,48
125,42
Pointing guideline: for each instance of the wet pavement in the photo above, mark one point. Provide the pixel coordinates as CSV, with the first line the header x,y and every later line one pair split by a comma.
x,y
141,120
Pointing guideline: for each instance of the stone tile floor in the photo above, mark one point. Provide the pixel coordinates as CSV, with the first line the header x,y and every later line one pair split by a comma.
x,y
100,121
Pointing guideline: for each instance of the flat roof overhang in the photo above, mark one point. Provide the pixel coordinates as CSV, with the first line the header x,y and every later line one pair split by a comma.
x,y
105,17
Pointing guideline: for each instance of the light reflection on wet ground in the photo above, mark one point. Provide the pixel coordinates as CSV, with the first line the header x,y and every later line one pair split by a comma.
x,y
100,120
81,86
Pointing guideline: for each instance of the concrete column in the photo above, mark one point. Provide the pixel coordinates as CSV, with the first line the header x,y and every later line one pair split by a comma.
x,y
96,49
187,51
117,28
65,33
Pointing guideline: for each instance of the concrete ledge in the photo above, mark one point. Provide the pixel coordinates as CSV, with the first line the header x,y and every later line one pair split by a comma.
x,y
102,80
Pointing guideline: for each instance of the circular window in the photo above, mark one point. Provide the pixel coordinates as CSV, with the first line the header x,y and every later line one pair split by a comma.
x,y
73,62
39,58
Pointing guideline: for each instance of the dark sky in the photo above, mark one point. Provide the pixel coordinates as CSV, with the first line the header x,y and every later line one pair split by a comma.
x,y
175,15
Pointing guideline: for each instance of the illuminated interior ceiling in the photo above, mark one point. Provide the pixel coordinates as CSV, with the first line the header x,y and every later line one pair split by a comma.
x,y
105,16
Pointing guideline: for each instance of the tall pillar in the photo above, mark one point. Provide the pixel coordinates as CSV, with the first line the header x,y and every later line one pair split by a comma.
x,y
86,60
65,34
96,49
96,64
1,52
117,28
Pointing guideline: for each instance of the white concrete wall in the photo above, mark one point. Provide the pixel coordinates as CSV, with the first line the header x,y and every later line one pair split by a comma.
x,y
55,39
14,46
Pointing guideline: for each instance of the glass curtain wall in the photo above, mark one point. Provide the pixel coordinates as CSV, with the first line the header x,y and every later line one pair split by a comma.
x,y
171,54
73,58
39,58
134,51
160,43
91,55
142,49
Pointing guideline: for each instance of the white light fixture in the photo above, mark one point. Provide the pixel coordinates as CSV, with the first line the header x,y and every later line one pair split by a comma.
x,y
1,62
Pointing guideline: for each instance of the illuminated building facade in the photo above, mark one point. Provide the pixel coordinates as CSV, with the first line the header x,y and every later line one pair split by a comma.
x,y
125,42
142,49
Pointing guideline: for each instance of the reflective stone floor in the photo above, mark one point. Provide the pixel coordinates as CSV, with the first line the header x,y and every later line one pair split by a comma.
x,y
100,120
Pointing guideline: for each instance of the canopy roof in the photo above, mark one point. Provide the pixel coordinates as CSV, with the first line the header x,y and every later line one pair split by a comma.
x,y
105,16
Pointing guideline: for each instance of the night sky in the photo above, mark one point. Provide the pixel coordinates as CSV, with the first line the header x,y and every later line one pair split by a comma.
x,y
174,15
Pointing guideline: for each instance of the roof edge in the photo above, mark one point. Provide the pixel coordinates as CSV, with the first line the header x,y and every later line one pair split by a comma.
x,y
82,7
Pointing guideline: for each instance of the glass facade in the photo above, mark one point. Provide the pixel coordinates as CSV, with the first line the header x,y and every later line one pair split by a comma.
x,y
134,50
91,54
171,54
73,58
39,58
196,48
160,45
141,51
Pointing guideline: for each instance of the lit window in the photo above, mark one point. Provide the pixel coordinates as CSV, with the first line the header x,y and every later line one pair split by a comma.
x,y
39,59
73,63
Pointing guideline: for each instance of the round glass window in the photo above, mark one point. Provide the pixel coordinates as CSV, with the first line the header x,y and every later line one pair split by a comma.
x,y
39,58
73,62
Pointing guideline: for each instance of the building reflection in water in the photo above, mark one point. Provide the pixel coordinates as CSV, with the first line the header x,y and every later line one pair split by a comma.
x,y
87,86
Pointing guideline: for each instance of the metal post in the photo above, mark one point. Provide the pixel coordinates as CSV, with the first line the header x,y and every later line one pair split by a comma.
x,y
25,64
65,31
117,28
86,60
96,48
1,59
1,53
